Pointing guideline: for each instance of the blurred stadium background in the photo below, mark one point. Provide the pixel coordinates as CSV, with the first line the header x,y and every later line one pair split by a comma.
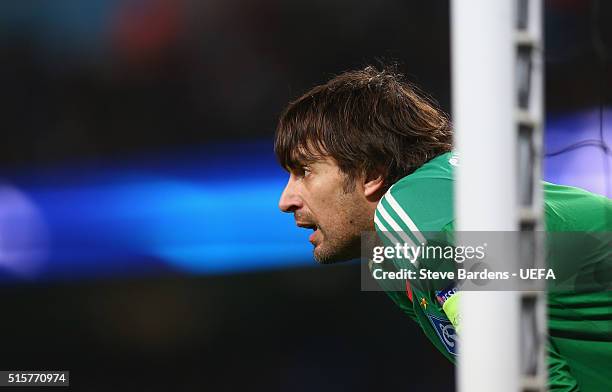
x,y
140,242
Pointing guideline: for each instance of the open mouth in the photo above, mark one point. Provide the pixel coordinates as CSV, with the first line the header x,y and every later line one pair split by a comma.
x,y
313,238
308,226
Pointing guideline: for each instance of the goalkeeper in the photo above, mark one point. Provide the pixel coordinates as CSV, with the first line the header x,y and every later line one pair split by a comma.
x,y
367,151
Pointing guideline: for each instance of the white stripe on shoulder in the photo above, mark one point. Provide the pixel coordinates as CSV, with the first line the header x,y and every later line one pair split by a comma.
x,y
384,230
394,225
404,217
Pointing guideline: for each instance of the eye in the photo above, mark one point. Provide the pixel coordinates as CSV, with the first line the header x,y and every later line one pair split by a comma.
x,y
302,171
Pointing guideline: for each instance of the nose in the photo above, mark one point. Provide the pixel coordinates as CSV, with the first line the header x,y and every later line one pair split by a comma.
x,y
290,199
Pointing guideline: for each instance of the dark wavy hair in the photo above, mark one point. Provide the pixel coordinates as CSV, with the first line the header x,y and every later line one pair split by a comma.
x,y
367,120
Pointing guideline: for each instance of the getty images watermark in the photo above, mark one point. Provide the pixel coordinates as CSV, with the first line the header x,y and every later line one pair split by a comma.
x,y
532,260
455,254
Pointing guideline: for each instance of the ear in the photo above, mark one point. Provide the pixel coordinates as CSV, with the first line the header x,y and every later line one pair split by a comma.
x,y
373,185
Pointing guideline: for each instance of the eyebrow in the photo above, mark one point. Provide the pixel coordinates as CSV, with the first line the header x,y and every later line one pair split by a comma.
x,y
303,158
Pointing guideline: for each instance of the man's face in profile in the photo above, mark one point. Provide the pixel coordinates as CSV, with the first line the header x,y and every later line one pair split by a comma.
x,y
317,196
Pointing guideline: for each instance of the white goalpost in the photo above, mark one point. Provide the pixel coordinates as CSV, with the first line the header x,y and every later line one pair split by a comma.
x,y
497,102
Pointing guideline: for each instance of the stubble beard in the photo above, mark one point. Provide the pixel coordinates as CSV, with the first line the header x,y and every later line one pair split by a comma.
x,y
335,250
342,242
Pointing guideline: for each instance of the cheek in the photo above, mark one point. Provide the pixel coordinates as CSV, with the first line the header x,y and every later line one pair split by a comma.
x,y
328,201
323,194
340,211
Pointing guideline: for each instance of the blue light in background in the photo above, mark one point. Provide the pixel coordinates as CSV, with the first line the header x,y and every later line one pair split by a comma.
x,y
584,167
208,211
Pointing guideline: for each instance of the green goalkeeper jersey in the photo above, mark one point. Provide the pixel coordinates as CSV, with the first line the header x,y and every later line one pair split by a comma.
x,y
579,321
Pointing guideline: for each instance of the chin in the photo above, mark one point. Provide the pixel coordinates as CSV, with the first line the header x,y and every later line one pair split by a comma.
x,y
326,256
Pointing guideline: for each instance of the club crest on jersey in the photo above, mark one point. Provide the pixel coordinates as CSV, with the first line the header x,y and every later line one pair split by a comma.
x,y
446,333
